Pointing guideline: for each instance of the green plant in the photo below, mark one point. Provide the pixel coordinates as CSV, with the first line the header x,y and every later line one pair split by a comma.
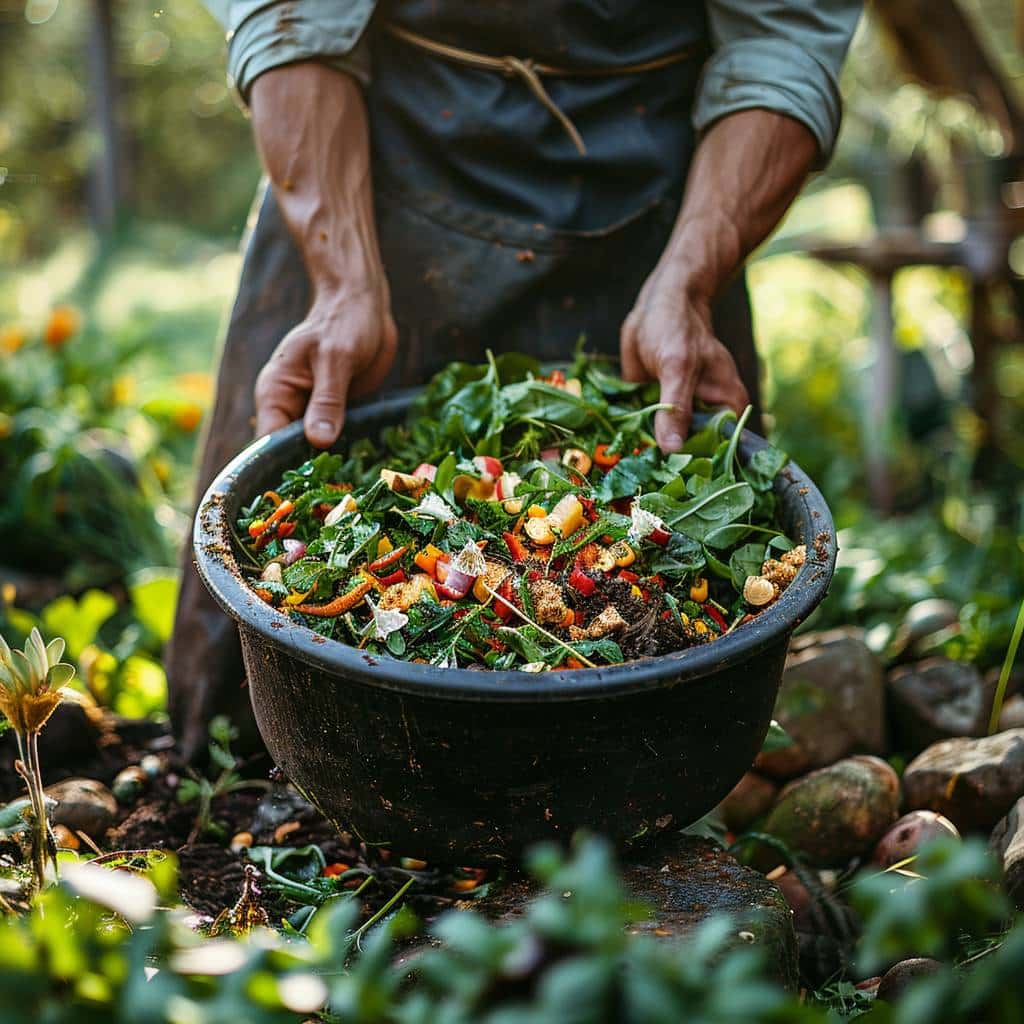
x,y
205,790
32,685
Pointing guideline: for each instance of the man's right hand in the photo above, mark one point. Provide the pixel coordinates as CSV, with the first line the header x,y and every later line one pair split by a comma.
x,y
344,347
310,125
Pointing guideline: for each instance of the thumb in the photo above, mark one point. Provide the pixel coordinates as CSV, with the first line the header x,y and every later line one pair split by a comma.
x,y
672,425
325,414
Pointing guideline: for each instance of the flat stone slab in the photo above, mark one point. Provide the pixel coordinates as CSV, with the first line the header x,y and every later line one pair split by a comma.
x,y
685,880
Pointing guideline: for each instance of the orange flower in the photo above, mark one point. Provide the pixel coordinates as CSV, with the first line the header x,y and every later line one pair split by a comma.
x,y
188,416
63,323
11,339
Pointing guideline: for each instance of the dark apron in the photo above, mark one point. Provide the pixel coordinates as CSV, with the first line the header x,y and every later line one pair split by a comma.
x,y
495,233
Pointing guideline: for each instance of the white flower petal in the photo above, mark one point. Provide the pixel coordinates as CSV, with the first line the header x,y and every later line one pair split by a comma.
x,y
386,622
432,504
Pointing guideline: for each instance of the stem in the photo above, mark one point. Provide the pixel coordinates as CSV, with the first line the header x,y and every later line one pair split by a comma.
x,y
41,834
383,910
1004,675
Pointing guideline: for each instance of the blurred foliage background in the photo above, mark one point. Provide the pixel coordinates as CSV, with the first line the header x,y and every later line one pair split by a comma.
x,y
108,337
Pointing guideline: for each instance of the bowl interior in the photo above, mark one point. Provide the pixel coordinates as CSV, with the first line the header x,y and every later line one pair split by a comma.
x,y
805,517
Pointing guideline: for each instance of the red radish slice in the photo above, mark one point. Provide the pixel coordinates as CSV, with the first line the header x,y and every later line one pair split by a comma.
x,y
427,470
489,465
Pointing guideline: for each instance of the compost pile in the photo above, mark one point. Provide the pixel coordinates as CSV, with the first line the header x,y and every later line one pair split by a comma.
x,y
524,521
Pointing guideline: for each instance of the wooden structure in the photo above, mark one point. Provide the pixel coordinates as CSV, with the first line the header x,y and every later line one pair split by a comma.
x,y
937,45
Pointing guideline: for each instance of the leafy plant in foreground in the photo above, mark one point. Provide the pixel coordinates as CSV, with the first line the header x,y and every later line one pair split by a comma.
x,y
32,685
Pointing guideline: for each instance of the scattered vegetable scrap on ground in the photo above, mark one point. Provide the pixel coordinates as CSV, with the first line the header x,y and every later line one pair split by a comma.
x,y
525,521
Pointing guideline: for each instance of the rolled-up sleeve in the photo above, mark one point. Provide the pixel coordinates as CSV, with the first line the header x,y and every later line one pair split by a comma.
x,y
265,34
780,55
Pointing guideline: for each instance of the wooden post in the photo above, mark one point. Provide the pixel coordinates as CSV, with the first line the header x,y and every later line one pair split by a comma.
x,y
105,176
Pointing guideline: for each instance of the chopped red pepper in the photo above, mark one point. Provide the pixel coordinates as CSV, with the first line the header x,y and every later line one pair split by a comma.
x,y
629,577
582,583
334,870
503,611
716,615
395,577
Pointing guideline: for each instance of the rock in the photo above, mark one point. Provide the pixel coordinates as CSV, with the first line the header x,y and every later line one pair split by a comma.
x,y
909,834
685,880
973,782
901,976
1007,843
936,700
832,703
924,619
83,805
751,798
1012,715
835,813
129,783
826,928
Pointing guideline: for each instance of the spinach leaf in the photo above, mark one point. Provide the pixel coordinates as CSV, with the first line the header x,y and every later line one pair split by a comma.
x,y
523,641
763,467
681,556
745,561
720,503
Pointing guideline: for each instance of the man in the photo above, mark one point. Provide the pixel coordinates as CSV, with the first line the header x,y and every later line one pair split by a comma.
x,y
449,177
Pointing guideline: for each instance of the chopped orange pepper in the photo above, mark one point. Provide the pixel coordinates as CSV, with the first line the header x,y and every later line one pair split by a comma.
x,y
465,884
334,870
699,590
427,558
274,497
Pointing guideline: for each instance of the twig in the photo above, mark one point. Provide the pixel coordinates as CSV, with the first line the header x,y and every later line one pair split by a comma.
x,y
540,629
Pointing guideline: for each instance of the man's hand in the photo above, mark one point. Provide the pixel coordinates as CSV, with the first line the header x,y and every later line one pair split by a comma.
x,y
747,170
310,125
668,337
343,348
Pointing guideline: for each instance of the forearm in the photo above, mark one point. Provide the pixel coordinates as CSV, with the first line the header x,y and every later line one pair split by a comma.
x,y
747,170
311,131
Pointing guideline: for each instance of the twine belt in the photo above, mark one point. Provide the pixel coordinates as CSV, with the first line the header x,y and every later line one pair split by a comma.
x,y
530,71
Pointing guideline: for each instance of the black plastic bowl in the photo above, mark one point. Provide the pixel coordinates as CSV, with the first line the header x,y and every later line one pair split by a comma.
x,y
459,765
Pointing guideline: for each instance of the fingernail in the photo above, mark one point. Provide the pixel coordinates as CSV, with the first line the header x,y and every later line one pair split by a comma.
x,y
323,431
673,442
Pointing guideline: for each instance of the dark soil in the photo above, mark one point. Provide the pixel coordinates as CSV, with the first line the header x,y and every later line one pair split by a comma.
x,y
210,875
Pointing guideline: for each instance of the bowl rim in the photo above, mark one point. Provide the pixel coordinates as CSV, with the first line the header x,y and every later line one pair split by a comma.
x,y
215,561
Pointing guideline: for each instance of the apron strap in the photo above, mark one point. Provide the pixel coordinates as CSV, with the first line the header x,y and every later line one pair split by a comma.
x,y
530,71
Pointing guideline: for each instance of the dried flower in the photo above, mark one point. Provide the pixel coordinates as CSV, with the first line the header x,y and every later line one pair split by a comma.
x,y
32,682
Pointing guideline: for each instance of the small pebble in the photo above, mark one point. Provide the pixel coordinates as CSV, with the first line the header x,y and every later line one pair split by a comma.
x,y
129,784
65,838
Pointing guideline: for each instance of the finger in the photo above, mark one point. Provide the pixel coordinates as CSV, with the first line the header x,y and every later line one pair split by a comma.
x,y
325,414
678,380
281,387
632,367
720,383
